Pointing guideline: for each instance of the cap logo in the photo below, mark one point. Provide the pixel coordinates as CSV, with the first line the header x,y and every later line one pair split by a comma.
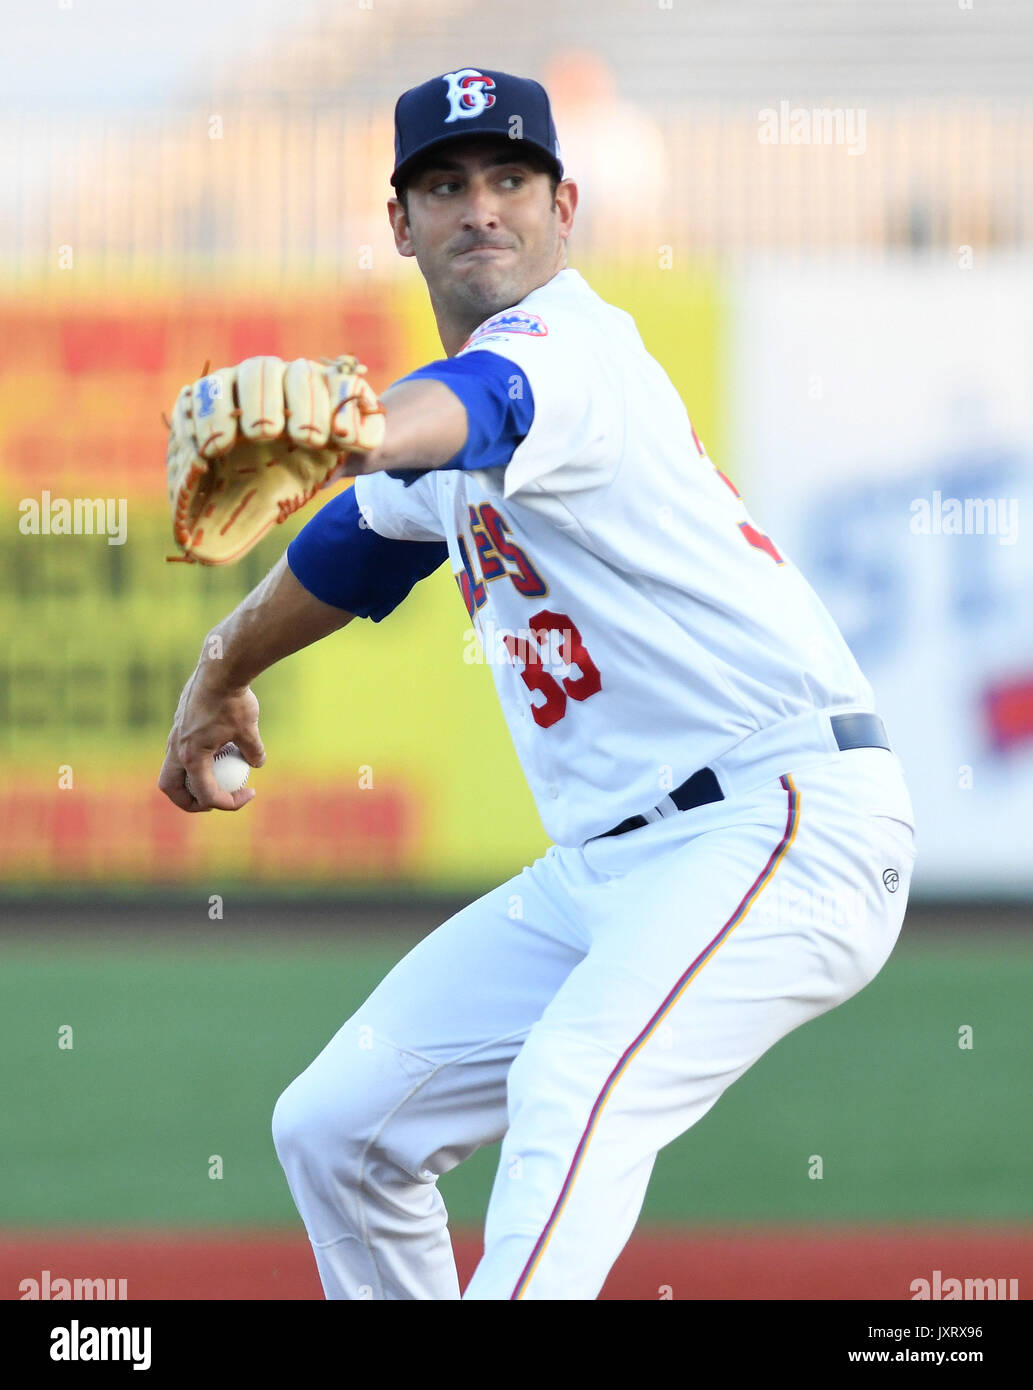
x,y
468,94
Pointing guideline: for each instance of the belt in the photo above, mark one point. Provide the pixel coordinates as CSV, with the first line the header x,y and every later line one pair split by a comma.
x,y
849,731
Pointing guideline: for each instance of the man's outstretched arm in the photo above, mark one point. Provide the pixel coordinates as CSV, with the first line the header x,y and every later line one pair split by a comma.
x,y
336,568
459,412
217,706
424,426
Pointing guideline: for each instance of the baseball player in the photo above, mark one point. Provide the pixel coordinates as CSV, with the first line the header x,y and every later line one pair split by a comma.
x,y
733,837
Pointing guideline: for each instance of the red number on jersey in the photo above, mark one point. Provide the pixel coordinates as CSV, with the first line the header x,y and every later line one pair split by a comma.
x,y
572,652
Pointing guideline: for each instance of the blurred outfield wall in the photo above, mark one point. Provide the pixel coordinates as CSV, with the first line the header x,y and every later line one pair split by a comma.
x,y
388,759
850,401
823,231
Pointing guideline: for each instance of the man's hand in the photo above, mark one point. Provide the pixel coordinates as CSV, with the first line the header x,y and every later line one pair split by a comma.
x,y
217,706
207,717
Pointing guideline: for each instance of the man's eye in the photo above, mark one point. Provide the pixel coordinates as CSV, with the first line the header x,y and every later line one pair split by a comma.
x,y
514,178
443,185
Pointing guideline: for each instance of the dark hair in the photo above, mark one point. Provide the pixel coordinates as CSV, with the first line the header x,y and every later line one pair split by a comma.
x,y
528,156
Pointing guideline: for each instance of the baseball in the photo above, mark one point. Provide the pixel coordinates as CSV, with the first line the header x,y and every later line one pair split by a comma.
x,y
231,770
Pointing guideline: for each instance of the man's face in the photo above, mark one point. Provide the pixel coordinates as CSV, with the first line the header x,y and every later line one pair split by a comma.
x,y
483,227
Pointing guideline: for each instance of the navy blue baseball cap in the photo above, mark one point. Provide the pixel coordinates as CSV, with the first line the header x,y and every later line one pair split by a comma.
x,y
472,101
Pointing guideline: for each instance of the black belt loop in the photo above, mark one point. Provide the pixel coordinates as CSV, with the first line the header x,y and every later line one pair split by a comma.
x,y
702,788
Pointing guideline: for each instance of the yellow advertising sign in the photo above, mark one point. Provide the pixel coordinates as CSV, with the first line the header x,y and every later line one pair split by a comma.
x,y
388,758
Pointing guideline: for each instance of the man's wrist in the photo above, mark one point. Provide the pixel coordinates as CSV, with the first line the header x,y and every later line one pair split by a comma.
x,y
216,670
356,465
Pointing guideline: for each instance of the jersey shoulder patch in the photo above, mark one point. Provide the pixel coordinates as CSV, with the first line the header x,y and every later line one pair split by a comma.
x,y
509,321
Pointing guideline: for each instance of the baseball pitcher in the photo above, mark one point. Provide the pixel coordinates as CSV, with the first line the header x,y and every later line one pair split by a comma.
x,y
733,838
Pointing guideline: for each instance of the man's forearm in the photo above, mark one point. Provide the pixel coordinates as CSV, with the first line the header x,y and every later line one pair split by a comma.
x,y
425,425
277,618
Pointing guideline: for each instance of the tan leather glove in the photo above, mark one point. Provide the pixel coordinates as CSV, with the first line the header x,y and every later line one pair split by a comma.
x,y
249,445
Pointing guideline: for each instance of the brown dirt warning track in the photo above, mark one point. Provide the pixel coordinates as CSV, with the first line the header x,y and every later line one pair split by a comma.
x,y
784,1263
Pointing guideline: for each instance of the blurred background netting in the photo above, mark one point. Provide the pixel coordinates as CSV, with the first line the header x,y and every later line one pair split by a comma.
x,y
821,217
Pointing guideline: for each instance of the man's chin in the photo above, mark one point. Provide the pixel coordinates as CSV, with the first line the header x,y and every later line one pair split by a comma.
x,y
488,293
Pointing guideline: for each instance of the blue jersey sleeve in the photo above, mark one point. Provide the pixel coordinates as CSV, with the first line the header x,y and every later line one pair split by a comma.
x,y
496,395
340,559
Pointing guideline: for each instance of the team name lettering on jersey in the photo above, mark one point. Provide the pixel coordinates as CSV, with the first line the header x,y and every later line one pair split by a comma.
x,y
498,557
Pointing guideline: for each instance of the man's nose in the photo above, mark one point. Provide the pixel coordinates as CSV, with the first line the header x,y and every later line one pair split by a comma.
x,y
480,206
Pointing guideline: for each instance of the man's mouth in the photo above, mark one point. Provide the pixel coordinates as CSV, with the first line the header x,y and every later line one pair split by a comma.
x,y
484,252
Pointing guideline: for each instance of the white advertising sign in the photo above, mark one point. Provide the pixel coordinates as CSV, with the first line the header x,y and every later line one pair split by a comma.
x,y
883,437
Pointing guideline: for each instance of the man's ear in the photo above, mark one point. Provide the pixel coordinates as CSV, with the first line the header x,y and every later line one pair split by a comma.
x,y
566,205
400,227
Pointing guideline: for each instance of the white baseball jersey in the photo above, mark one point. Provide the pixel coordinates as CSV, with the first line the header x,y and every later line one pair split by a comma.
x,y
637,622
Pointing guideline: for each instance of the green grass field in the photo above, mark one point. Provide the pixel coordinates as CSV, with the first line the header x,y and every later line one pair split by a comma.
x,y
181,1050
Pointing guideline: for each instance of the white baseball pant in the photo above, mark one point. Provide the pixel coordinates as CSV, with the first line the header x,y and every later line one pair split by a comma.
x,y
588,1012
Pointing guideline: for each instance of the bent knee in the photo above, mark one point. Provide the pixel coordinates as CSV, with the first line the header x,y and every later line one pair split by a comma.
x,y
296,1117
343,1104
320,1115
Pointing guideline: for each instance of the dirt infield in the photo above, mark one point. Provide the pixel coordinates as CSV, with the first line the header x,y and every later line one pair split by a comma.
x,y
712,1263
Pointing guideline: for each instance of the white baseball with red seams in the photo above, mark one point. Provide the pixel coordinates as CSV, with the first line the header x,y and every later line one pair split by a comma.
x,y
640,627
231,769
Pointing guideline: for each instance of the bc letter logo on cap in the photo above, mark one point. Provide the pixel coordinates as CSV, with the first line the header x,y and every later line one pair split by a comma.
x,y
468,94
